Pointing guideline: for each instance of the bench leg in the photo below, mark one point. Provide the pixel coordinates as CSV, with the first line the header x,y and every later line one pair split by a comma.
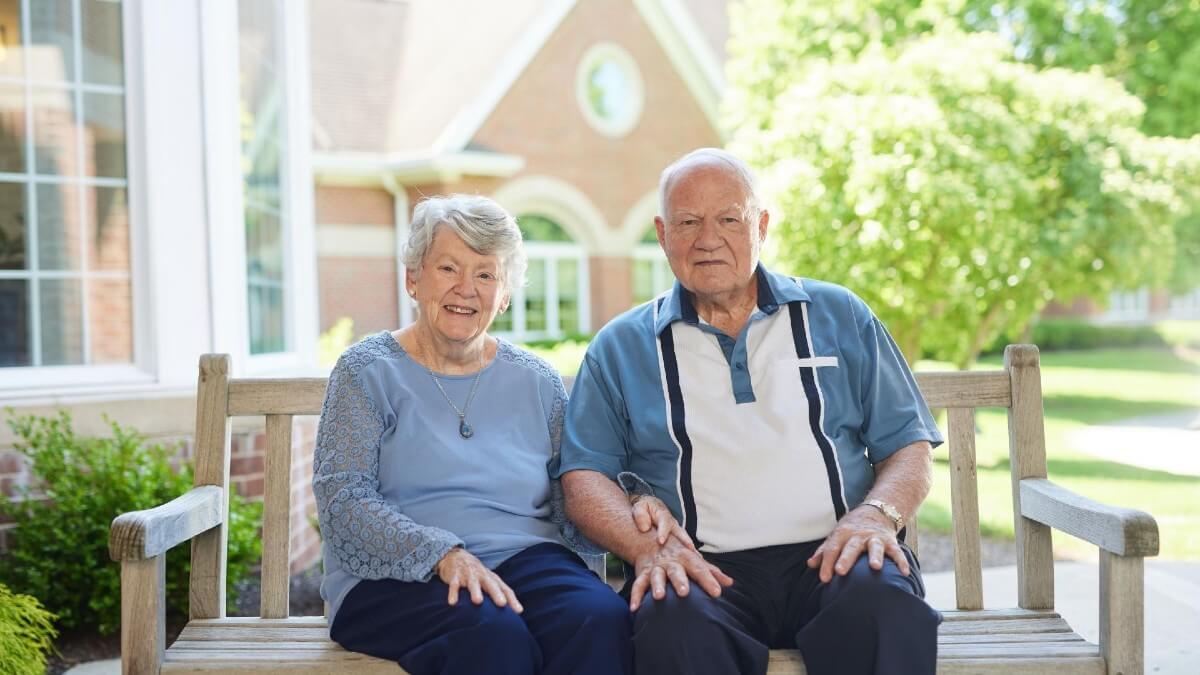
x,y
1122,614
143,615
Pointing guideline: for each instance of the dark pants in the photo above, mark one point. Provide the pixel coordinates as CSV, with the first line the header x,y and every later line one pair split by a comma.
x,y
572,623
865,622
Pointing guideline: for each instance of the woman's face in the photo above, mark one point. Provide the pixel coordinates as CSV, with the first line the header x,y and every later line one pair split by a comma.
x,y
459,292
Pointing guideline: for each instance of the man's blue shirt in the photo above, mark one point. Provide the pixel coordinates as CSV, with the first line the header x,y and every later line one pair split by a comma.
x,y
763,438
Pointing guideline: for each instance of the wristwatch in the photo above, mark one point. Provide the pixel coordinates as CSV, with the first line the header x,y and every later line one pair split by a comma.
x,y
888,510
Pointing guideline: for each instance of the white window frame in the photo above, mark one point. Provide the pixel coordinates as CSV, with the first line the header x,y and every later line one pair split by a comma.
x,y
551,253
661,277
1127,306
22,382
624,61
227,267
1185,306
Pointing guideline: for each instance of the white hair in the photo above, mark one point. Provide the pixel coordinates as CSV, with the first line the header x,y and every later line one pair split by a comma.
x,y
480,222
730,161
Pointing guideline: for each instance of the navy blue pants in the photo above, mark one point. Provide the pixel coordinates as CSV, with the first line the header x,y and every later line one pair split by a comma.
x,y
865,622
572,623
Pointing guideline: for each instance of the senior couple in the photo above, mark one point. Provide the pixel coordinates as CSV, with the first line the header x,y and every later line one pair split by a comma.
x,y
750,444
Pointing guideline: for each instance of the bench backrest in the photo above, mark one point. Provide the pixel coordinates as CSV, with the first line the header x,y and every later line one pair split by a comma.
x,y
1017,388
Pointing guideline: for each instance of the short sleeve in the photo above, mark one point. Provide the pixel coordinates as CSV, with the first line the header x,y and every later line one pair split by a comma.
x,y
595,434
895,414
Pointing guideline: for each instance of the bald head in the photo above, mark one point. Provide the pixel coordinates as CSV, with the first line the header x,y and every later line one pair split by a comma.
x,y
707,158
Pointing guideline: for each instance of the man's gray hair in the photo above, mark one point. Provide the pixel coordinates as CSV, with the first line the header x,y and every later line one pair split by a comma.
x,y
480,222
736,166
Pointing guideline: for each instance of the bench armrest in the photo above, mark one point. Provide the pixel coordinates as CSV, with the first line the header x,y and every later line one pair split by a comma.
x,y
140,535
1121,531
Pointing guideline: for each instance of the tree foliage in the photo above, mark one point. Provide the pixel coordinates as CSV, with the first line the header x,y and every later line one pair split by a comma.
x,y
955,188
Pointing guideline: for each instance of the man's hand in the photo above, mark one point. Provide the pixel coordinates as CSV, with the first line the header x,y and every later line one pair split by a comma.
x,y
676,562
651,513
459,569
863,529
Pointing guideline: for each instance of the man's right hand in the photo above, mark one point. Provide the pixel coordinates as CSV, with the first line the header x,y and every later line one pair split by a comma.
x,y
677,560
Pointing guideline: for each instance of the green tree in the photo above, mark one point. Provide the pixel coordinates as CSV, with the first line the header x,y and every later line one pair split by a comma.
x,y
955,188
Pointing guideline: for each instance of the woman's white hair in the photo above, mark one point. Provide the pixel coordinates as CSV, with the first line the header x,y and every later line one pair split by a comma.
x,y
480,222
728,160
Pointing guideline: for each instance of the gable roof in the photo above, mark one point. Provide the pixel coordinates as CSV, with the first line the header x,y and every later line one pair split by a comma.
x,y
419,77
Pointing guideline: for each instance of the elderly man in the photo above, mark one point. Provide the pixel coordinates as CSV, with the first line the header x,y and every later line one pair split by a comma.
x,y
772,441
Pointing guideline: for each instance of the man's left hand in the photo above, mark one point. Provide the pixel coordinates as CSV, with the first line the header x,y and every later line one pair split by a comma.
x,y
864,529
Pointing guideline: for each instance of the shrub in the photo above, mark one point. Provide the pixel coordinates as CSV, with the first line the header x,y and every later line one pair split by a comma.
x,y
26,634
59,549
1073,334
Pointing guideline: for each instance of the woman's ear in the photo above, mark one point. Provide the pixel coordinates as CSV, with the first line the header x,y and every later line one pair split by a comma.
x,y
504,303
410,282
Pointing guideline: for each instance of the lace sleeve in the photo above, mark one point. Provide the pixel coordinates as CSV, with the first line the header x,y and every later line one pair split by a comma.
x,y
369,537
558,510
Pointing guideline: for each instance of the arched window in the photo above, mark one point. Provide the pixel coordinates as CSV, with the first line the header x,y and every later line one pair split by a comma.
x,y
651,273
554,302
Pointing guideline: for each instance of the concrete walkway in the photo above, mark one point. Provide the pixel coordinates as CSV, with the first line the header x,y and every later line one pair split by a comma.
x,y
1169,442
1172,606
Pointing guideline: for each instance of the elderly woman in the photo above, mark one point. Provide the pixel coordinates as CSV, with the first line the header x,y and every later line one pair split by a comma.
x,y
445,540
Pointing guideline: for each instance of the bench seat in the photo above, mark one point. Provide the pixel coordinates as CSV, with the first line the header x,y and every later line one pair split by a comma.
x,y
1010,641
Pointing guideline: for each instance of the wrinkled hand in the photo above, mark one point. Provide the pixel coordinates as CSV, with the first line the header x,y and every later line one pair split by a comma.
x,y
652,513
459,569
863,529
676,562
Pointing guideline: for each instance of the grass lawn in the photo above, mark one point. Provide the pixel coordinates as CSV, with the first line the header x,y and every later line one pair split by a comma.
x,y
1080,389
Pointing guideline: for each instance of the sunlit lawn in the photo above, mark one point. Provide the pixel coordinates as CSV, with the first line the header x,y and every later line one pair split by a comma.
x,y
1079,389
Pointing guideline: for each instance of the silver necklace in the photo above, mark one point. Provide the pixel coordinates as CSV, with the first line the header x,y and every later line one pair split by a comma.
x,y
464,429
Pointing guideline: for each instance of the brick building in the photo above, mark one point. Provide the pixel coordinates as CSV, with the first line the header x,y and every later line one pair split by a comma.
x,y
563,111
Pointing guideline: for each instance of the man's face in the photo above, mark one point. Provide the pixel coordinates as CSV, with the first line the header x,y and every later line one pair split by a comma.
x,y
711,239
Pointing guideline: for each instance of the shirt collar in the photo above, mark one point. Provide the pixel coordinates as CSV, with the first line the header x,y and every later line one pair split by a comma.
x,y
773,290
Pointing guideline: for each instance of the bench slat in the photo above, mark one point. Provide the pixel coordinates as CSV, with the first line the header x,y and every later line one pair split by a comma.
x,y
964,509
277,518
265,396
966,389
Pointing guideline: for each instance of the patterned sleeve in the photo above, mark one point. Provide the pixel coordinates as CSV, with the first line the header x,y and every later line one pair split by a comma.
x,y
558,509
369,537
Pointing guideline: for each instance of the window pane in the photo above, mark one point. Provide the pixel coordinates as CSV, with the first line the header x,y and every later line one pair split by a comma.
x,y
14,329
13,63
568,295
540,228
535,297
105,61
104,134
50,36
13,232
62,322
110,321
263,102
12,128
58,227
503,322
643,281
54,132
108,228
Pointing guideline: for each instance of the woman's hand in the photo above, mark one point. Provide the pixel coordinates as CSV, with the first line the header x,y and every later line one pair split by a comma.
x,y
651,513
459,569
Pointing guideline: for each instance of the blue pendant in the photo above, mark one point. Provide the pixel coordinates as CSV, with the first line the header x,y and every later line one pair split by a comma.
x,y
465,429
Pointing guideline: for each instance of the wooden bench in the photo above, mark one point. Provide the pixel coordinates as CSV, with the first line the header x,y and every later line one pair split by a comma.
x,y
1030,638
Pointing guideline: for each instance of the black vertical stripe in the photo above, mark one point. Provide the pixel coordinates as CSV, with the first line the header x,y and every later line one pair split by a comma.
x,y
671,369
800,337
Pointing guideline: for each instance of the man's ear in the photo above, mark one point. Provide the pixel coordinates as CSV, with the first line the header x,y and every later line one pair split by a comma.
x,y
660,228
764,219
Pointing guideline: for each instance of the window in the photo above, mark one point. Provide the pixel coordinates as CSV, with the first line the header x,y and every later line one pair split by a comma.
x,y
65,271
552,303
263,105
609,90
651,273
1128,306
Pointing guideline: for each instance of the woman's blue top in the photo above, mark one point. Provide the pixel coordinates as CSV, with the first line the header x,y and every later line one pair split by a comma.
x,y
397,486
